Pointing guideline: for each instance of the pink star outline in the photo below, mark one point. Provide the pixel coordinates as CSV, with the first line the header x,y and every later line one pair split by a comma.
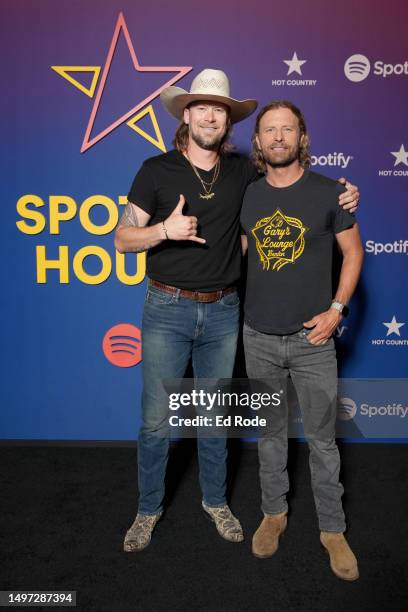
x,y
181,72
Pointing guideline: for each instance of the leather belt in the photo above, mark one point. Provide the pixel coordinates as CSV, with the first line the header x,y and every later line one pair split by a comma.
x,y
197,296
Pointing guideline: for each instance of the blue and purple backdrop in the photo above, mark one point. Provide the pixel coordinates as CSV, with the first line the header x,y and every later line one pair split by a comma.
x,y
80,113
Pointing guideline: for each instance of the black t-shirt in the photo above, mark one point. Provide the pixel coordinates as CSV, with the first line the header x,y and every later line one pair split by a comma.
x,y
291,231
185,264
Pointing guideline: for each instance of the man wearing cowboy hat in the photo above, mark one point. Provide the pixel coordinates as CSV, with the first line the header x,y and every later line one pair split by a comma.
x,y
183,208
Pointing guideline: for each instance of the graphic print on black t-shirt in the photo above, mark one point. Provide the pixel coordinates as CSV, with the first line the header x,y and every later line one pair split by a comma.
x,y
291,233
279,240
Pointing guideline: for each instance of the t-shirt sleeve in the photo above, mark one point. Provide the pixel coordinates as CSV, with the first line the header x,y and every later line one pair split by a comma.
x,y
142,192
252,173
341,219
243,216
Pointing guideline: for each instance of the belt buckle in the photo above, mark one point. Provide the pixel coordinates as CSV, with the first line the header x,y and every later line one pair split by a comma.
x,y
201,300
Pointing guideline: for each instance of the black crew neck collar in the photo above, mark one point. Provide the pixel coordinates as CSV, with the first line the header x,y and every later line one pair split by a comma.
x,y
302,179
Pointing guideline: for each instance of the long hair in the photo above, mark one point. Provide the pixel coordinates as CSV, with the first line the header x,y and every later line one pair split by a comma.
x,y
180,141
304,153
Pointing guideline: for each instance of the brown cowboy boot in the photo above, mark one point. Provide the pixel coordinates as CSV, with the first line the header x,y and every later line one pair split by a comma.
x,y
265,541
342,560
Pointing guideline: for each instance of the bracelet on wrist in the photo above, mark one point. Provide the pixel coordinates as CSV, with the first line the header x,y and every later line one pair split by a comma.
x,y
165,231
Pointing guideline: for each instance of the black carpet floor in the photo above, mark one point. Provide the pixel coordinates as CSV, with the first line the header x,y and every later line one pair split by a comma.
x,y
64,512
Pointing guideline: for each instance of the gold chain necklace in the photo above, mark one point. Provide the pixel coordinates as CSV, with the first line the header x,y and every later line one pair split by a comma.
x,y
207,186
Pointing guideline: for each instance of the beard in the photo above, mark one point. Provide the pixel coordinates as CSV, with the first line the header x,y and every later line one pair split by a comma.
x,y
211,143
281,160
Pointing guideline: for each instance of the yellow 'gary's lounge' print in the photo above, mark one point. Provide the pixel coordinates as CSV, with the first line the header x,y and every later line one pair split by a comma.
x,y
279,240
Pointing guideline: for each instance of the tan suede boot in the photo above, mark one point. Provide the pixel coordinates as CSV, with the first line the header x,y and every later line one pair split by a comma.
x,y
265,541
342,560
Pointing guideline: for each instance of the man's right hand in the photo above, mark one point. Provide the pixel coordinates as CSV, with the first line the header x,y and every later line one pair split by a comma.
x,y
182,227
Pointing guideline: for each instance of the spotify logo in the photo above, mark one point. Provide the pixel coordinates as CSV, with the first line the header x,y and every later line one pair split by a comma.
x,y
357,68
122,345
346,409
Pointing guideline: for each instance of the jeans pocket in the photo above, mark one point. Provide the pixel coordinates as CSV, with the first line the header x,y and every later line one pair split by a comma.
x,y
156,297
230,300
303,334
249,331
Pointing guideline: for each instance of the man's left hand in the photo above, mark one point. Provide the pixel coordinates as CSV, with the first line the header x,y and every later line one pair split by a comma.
x,y
350,199
324,325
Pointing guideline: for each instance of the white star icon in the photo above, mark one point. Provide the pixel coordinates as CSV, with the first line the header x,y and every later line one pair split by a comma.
x,y
393,327
295,64
401,156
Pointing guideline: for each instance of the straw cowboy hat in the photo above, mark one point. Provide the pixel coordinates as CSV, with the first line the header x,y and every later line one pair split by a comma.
x,y
211,85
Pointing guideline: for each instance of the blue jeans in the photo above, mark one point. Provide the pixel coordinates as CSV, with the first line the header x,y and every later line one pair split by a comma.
x,y
313,370
173,330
